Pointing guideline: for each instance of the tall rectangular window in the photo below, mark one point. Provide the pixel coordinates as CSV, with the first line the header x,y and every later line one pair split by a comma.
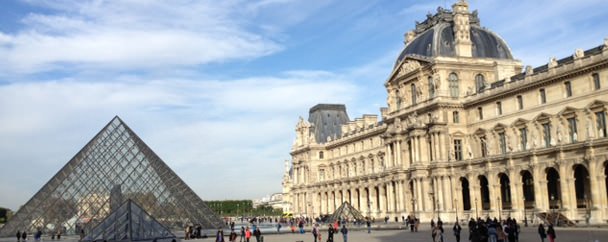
x,y
523,132
547,134
431,84
455,117
520,102
600,118
542,96
480,113
572,127
458,149
498,108
568,89
502,140
596,81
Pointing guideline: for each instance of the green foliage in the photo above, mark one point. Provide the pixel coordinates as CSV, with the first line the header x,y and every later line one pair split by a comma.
x,y
229,208
4,214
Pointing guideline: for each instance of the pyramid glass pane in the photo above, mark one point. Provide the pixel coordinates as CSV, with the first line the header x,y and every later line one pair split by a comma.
x,y
116,165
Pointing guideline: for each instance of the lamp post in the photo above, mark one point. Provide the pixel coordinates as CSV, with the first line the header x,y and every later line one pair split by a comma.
x,y
476,213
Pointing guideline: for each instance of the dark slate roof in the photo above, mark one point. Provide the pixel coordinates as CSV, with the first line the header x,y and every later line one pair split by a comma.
x,y
439,41
327,119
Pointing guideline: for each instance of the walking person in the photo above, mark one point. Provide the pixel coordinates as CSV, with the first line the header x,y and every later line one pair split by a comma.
x,y
369,226
219,237
541,232
457,230
258,234
247,234
232,236
18,235
551,233
315,232
24,236
437,233
242,234
330,233
344,232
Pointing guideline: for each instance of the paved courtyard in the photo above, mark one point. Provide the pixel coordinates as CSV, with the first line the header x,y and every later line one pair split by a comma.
x,y
528,234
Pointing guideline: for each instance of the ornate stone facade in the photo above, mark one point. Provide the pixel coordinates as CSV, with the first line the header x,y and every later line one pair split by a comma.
x,y
466,134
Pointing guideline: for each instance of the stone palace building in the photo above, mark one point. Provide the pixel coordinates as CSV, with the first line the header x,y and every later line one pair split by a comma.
x,y
468,132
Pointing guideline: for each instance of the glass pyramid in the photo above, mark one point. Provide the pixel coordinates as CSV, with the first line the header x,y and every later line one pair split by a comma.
x,y
114,166
129,222
346,211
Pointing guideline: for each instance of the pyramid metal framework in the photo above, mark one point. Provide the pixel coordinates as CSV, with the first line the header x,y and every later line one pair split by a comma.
x,y
114,166
129,222
346,211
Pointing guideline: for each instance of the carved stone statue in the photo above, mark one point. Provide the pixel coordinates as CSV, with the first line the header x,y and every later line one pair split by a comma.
x,y
552,62
579,53
590,134
533,138
469,151
412,118
529,70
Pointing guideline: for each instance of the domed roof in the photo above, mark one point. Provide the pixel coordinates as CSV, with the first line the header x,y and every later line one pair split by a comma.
x,y
439,41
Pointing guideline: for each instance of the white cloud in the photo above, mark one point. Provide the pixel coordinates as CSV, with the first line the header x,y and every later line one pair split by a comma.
x,y
131,35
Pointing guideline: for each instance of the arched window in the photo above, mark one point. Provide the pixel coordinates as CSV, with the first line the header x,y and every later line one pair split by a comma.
x,y
414,92
480,83
431,87
453,83
321,155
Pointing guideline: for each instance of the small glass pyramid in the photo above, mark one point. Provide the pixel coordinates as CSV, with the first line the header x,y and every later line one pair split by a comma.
x,y
129,222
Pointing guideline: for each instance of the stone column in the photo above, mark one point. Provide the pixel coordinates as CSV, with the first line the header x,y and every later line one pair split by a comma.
x,y
398,154
414,149
372,198
428,207
418,148
419,197
442,144
440,203
603,196
568,195
595,179
448,198
424,149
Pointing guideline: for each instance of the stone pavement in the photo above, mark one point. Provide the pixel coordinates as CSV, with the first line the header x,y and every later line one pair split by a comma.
x,y
528,235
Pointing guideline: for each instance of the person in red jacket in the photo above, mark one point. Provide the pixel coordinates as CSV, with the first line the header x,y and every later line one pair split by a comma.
x,y
247,234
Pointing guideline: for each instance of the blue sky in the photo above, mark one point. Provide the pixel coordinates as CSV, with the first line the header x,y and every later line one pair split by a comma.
x,y
216,87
